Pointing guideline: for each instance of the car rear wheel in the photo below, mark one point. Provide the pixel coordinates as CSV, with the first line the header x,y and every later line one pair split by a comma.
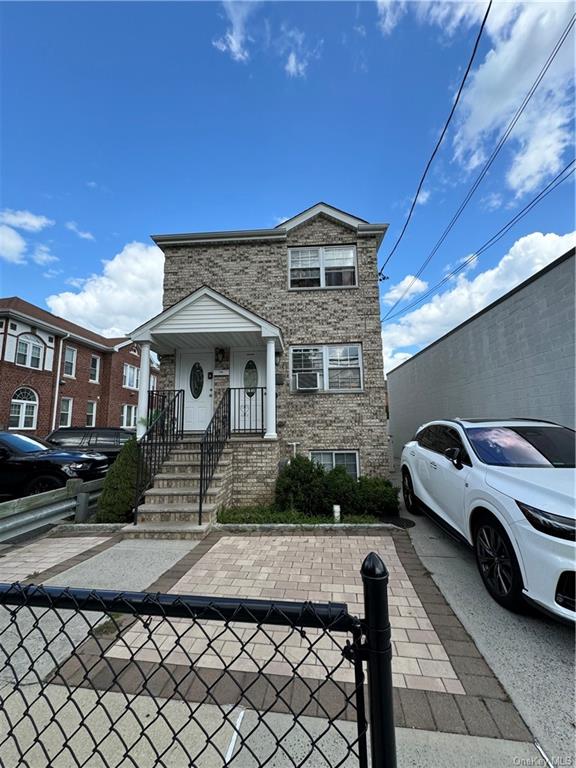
x,y
497,564
42,484
410,501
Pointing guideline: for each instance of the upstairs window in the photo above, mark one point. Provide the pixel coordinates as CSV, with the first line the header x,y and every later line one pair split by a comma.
x,y
29,352
326,267
65,412
94,369
70,362
326,368
131,376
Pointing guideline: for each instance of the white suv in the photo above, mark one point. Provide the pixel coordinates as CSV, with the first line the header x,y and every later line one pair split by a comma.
x,y
508,488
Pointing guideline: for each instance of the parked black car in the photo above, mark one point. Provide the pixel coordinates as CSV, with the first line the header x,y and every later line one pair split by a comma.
x,y
29,465
106,440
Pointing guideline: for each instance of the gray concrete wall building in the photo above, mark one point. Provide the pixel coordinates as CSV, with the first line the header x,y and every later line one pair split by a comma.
x,y
514,358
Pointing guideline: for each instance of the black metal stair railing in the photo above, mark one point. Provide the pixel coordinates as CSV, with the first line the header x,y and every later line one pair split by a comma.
x,y
212,444
165,427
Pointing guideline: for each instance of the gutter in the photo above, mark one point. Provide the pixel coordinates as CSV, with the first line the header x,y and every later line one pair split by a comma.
x,y
57,388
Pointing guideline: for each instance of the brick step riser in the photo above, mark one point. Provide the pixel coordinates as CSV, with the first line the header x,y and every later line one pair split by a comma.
x,y
175,535
191,480
174,468
174,499
188,455
172,517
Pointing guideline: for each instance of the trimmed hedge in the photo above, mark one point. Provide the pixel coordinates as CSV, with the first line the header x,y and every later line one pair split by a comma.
x,y
117,498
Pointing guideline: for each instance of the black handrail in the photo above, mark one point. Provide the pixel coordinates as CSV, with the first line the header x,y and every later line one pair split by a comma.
x,y
165,427
247,410
211,446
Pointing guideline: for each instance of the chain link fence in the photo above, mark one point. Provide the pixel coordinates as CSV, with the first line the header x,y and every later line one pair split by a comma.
x,y
97,678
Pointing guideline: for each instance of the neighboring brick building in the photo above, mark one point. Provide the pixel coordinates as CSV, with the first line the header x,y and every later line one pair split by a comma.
x,y
56,373
299,304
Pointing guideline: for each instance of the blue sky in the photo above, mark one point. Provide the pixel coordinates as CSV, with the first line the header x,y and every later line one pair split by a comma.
x,y
121,120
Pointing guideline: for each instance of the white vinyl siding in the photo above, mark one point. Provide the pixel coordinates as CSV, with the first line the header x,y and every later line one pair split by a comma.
x,y
327,267
339,366
91,413
23,409
130,376
331,459
204,313
94,376
70,362
129,416
66,404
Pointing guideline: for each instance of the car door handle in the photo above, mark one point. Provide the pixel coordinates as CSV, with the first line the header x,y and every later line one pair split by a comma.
x,y
433,464
412,453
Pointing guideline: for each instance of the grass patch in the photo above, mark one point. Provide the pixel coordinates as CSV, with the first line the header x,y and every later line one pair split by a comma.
x,y
108,627
270,515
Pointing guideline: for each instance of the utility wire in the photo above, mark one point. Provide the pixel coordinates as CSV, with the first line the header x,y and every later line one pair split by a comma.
x,y
556,181
490,160
439,142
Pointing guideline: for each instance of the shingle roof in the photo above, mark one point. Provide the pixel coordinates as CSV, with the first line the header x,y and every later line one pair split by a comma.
x,y
13,304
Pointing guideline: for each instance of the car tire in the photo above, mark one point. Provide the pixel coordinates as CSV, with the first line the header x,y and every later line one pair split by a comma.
x,y
43,483
497,564
410,500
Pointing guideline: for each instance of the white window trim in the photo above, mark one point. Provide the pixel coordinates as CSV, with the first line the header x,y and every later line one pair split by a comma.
x,y
125,407
335,451
69,423
29,344
136,376
325,367
95,404
73,374
97,379
322,286
21,415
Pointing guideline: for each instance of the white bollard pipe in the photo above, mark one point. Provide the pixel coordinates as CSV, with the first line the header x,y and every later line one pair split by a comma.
x,y
336,511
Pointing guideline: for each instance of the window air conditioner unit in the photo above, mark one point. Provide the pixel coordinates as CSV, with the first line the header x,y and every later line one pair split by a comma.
x,y
308,381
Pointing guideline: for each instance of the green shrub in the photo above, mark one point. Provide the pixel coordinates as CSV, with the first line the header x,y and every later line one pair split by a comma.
x,y
340,488
301,486
377,496
117,498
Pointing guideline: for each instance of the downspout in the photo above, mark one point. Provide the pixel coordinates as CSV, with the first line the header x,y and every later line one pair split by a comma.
x,y
57,388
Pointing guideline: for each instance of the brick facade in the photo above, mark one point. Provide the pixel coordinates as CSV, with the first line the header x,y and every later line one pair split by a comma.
x,y
255,275
109,394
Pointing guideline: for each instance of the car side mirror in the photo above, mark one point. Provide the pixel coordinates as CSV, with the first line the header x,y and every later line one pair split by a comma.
x,y
4,453
454,455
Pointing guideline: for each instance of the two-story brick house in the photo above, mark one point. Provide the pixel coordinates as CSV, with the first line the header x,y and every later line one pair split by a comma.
x,y
55,373
289,319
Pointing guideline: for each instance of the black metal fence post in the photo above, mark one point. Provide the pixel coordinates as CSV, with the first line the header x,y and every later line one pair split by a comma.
x,y
379,659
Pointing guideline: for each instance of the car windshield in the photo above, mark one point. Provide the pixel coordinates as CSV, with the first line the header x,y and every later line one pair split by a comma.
x,y
25,444
530,446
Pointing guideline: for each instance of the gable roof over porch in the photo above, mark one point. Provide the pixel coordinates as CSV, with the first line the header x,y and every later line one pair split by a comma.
x,y
206,318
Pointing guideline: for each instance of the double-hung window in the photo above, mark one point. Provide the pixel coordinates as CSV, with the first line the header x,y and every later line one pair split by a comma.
x,y
323,267
69,362
29,352
333,368
94,369
65,412
129,416
331,459
91,413
131,376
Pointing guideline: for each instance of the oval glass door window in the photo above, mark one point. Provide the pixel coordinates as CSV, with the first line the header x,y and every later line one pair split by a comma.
x,y
196,380
250,377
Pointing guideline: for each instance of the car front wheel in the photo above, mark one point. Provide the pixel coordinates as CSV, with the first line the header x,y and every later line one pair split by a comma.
x,y
497,564
42,484
410,501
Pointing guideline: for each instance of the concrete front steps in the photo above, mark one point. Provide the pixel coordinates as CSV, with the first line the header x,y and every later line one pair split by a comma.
x,y
170,508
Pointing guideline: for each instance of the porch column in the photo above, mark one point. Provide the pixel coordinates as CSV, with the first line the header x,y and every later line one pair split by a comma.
x,y
270,390
143,387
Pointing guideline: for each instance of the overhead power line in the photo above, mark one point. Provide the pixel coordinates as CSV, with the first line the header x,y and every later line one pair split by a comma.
x,y
490,160
439,142
564,174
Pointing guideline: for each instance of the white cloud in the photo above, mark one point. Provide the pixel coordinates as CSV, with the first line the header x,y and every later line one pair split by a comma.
x,y
292,43
128,292
396,291
12,245
30,222
82,234
92,184
389,14
235,40
42,255
423,197
445,311
492,202
294,66
51,273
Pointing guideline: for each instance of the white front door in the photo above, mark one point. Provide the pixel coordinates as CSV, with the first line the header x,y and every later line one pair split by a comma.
x,y
194,368
247,382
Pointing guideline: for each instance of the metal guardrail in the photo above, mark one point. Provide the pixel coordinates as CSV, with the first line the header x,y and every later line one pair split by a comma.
x,y
31,512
